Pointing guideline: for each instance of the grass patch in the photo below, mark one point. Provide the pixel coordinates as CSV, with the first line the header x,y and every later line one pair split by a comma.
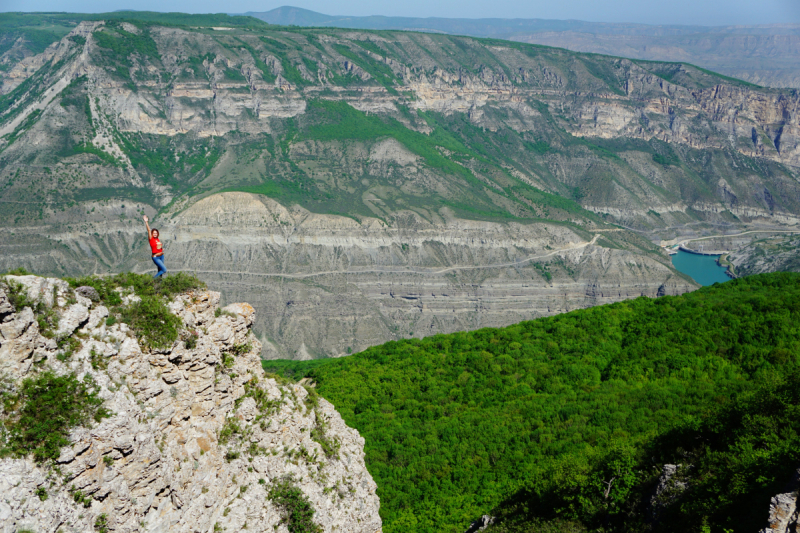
x,y
149,318
152,322
339,121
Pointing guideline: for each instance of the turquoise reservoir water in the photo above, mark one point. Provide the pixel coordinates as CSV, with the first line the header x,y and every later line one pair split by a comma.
x,y
702,268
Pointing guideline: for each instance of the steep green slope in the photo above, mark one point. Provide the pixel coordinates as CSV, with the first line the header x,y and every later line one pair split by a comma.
x,y
730,462
455,424
481,127
25,34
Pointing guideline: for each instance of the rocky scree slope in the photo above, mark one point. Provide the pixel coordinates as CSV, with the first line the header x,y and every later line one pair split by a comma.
x,y
197,438
774,253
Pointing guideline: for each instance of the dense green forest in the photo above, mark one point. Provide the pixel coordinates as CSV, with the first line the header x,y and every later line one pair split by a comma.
x,y
530,422
731,461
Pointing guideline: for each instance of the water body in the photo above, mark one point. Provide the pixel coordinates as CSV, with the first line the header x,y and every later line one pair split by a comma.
x,y
701,268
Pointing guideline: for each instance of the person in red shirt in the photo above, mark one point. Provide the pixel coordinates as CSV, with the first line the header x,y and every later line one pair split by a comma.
x,y
155,248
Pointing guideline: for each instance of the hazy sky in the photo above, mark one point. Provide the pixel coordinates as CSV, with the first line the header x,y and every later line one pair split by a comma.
x,y
705,12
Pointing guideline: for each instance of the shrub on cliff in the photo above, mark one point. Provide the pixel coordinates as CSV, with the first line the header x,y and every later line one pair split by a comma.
x,y
39,416
152,322
298,513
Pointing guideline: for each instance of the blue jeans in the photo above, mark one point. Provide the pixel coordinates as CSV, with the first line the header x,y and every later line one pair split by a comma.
x,y
159,261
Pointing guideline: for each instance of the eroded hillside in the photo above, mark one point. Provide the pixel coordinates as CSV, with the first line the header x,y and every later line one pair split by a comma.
x,y
380,184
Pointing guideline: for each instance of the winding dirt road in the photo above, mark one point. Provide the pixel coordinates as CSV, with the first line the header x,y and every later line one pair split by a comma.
x,y
404,271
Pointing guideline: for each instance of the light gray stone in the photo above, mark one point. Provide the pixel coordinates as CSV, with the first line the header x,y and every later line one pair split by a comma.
x,y
782,513
88,292
72,317
158,460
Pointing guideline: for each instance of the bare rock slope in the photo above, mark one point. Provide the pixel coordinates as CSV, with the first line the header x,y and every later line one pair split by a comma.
x,y
326,285
197,437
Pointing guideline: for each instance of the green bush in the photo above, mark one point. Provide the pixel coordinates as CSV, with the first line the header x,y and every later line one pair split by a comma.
x,y
298,513
319,434
229,429
79,497
18,296
21,271
152,322
39,417
101,523
191,341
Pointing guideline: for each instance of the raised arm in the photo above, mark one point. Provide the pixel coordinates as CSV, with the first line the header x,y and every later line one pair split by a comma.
x,y
147,225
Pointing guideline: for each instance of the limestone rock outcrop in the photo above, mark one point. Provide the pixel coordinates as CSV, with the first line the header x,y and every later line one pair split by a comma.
x,y
197,433
782,514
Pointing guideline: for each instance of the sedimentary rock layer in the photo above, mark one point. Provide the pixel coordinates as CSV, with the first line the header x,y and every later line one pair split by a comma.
x,y
327,285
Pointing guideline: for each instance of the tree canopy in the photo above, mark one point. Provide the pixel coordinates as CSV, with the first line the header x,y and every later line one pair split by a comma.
x,y
457,425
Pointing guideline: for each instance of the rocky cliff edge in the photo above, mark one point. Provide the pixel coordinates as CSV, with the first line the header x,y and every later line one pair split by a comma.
x,y
198,439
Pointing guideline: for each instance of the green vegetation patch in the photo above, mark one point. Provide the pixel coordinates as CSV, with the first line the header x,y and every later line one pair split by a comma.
x,y
298,513
149,318
730,462
338,121
380,71
152,321
38,418
120,45
183,19
172,161
456,424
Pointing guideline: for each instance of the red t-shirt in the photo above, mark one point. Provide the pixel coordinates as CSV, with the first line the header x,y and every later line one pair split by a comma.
x,y
155,246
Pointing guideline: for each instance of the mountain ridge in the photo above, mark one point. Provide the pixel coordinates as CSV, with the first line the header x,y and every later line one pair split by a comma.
x,y
761,54
266,151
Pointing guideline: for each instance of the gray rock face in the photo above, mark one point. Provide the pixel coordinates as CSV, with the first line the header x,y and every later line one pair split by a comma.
x,y
783,509
782,514
668,489
197,436
88,292
769,253
481,524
